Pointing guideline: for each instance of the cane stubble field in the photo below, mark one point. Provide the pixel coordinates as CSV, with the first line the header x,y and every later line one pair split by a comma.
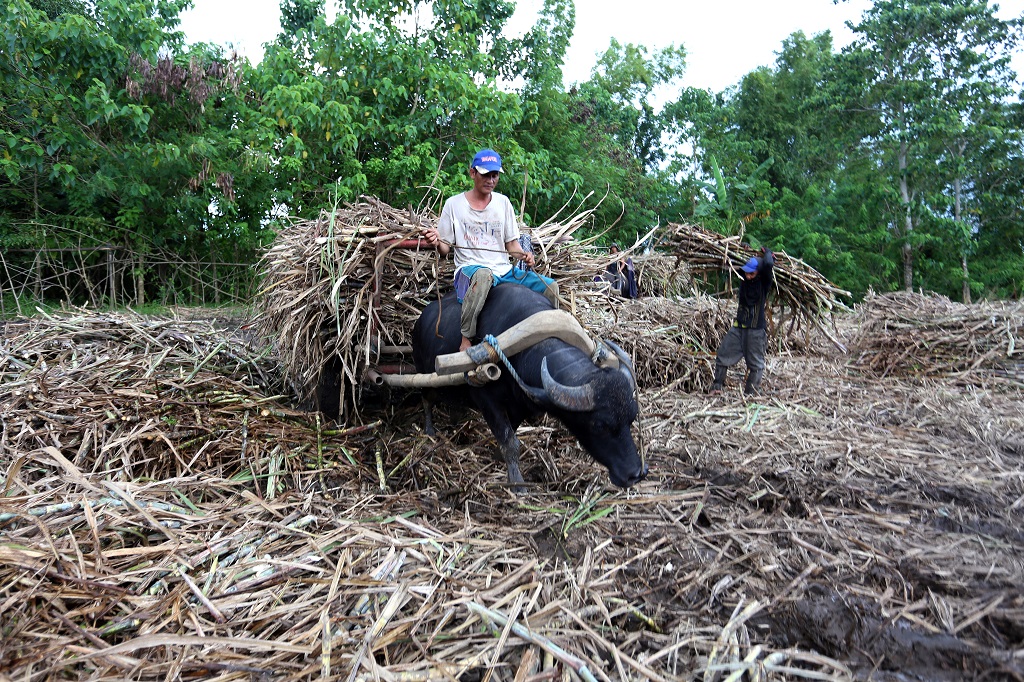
x,y
168,513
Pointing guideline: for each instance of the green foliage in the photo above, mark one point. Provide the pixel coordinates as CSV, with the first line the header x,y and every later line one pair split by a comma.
x,y
735,203
621,87
601,138
895,163
370,103
884,155
54,8
113,133
929,71
541,53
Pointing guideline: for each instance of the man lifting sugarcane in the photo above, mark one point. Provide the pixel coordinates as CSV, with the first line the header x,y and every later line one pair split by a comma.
x,y
748,336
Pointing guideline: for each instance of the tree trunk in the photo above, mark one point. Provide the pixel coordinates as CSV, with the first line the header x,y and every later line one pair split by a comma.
x,y
216,284
908,221
908,267
140,283
37,268
967,279
957,214
111,285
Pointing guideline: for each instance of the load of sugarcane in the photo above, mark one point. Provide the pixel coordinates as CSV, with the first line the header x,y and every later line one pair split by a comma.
x,y
810,297
340,288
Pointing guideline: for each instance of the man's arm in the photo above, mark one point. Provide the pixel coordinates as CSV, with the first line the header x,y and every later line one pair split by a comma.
x,y
436,236
431,235
516,251
766,269
511,235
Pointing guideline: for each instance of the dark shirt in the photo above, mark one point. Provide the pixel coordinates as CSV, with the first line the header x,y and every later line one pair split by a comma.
x,y
754,294
622,277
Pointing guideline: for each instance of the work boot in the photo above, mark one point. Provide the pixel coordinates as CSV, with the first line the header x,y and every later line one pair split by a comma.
x,y
753,382
719,384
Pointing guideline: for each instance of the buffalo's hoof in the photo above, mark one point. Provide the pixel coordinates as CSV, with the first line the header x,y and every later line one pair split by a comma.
x,y
517,486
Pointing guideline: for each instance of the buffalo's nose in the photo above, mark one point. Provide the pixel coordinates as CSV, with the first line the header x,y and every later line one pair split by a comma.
x,y
637,477
642,475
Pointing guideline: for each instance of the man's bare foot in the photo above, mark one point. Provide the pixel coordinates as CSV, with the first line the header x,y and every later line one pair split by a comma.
x,y
466,343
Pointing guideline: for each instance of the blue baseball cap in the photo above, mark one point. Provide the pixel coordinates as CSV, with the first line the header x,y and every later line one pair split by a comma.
x,y
487,161
751,265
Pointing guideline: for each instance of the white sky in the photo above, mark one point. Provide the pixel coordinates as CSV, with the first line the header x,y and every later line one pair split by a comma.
x,y
724,39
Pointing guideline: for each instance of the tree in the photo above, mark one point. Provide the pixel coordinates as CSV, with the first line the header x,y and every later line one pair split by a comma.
x,y
974,80
628,76
735,202
990,228
925,66
601,136
380,99
786,113
113,134
54,8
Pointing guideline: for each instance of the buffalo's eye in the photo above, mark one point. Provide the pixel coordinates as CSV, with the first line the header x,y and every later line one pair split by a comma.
x,y
602,428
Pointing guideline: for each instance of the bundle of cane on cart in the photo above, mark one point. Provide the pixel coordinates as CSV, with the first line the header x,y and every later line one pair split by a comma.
x,y
808,300
342,293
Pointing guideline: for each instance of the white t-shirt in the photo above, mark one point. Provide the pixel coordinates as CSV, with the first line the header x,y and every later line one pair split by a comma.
x,y
479,236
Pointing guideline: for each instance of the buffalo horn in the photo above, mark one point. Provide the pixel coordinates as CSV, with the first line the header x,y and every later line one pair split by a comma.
x,y
571,398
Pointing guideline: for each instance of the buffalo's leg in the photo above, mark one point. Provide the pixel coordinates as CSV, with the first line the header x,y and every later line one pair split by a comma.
x,y
330,386
428,416
508,444
510,451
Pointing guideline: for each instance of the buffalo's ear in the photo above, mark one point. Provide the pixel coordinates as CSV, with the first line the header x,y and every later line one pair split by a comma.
x,y
625,365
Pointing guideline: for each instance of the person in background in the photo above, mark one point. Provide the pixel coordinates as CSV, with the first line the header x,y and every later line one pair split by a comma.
x,y
481,228
621,274
747,339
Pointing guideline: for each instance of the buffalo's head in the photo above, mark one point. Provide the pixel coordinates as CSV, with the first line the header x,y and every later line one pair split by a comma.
x,y
599,413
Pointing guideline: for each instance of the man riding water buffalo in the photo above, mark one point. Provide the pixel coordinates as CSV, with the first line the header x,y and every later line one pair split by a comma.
x,y
596,401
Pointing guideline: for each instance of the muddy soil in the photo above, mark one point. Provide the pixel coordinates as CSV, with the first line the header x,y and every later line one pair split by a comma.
x,y
852,629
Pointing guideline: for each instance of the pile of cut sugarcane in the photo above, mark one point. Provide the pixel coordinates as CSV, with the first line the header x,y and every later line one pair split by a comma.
x,y
906,333
672,340
165,515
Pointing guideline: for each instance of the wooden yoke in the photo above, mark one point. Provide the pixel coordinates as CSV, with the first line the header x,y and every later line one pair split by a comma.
x,y
539,326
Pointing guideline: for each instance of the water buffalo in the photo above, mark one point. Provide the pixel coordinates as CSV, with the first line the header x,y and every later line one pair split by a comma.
x,y
596,404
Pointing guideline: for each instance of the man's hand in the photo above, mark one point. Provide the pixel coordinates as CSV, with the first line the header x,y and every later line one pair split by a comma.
x,y
525,257
433,238
431,235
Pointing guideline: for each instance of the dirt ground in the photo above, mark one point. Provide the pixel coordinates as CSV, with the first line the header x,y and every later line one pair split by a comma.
x,y
836,527
879,522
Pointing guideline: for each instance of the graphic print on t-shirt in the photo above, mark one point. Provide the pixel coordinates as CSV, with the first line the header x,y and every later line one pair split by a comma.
x,y
483,234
